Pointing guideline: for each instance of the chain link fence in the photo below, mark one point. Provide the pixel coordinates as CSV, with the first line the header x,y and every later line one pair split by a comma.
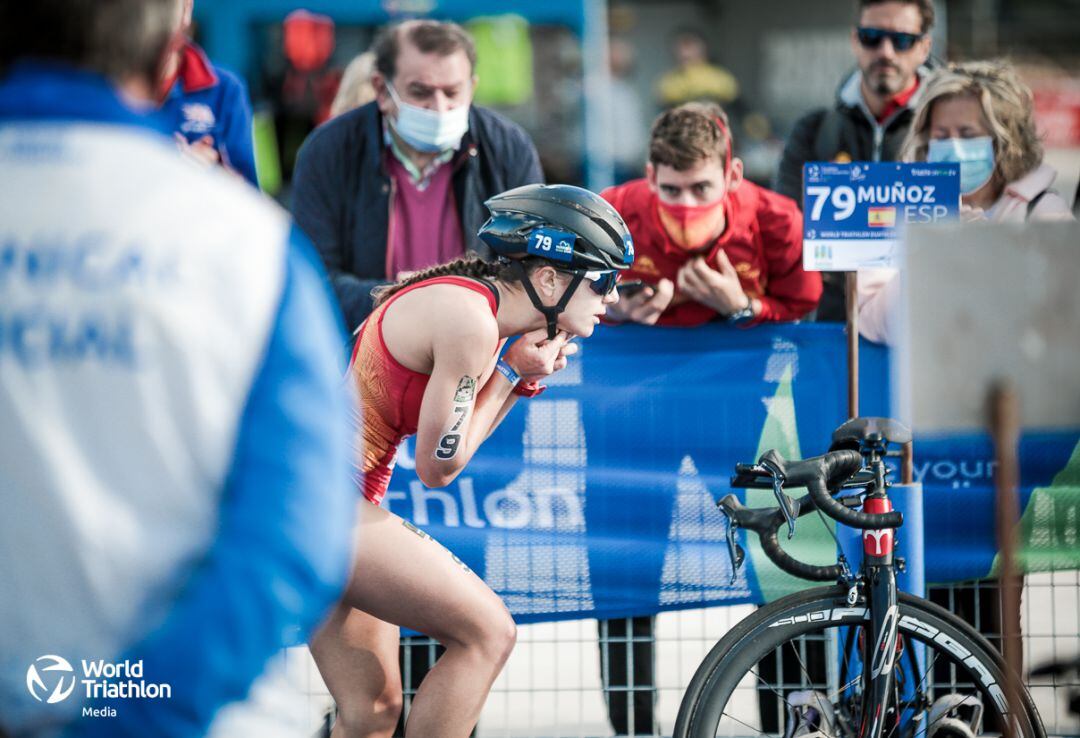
x,y
590,679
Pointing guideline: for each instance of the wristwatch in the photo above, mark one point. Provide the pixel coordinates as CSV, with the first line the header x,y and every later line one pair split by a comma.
x,y
739,317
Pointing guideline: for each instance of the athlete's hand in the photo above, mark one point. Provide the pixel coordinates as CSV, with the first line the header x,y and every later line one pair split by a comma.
x,y
534,357
644,306
569,348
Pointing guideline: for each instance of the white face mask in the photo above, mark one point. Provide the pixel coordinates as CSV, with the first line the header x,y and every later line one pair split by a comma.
x,y
428,130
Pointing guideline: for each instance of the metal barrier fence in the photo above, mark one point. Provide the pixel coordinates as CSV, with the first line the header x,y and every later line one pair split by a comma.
x,y
552,686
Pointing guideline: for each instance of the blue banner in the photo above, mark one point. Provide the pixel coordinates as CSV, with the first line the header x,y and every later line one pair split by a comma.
x,y
598,497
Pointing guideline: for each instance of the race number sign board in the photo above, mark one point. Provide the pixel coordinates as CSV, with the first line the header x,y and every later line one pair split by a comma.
x,y
853,213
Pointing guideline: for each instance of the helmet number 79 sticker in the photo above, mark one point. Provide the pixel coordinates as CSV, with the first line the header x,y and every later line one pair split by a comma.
x,y
552,243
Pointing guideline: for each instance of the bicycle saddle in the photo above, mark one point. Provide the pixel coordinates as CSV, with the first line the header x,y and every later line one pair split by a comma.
x,y
858,431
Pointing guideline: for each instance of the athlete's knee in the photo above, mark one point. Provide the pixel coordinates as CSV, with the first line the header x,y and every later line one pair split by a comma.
x,y
370,717
500,636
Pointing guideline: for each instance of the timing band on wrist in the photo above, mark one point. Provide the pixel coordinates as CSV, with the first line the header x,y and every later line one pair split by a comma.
x,y
507,371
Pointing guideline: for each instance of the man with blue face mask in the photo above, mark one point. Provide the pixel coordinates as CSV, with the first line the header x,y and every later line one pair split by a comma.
x,y
399,184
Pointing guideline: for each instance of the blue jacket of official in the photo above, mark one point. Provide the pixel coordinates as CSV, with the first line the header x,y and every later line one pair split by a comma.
x,y
175,474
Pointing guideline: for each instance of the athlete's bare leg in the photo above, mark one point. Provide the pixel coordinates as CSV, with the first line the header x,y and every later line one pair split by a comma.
x,y
403,576
357,655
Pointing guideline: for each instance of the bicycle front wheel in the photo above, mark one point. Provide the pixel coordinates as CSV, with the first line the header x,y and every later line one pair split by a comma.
x,y
795,668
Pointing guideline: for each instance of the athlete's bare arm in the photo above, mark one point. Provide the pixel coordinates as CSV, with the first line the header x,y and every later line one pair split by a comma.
x,y
459,405
465,400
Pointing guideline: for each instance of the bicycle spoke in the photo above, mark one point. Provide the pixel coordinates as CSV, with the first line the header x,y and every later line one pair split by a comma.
x,y
927,672
844,688
759,731
802,665
770,687
931,725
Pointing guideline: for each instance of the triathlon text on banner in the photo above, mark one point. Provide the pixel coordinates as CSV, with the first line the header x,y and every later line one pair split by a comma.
x,y
853,213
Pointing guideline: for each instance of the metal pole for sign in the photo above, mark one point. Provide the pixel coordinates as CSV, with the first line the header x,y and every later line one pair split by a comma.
x,y
1005,430
907,463
851,298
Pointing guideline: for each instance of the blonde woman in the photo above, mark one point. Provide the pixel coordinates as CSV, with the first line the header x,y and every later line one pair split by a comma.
x,y
355,88
978,114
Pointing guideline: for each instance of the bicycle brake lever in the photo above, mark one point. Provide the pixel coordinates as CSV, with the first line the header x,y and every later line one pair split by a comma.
x,y
735,551
778,479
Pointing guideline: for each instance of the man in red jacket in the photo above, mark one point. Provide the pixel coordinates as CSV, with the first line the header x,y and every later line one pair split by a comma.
x,y
709,244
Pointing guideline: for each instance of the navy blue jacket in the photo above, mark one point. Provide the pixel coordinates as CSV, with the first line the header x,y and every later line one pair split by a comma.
x,y
342,193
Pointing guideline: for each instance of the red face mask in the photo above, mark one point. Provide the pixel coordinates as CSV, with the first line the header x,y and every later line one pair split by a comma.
x,y
692,227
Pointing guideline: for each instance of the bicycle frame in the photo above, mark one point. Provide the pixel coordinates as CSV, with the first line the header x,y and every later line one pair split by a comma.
x,y
879,576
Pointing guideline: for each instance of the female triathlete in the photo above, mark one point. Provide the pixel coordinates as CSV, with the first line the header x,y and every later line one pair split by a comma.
x,y
427,361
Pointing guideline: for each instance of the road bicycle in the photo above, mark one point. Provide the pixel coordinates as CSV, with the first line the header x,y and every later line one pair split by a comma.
x,y
856,659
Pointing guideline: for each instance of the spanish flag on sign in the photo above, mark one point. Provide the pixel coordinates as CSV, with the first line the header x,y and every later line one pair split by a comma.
x,y
882,217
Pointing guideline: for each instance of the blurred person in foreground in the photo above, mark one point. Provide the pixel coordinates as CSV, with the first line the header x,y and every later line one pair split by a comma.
x,y
398,185
978,114
873,110
355,88
710,245
206,105
176,494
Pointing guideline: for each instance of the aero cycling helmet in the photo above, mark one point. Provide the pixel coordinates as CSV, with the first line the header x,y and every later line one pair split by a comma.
x,y
570,227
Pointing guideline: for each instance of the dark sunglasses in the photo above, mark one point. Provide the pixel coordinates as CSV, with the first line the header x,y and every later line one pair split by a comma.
x,y
871,38
601,282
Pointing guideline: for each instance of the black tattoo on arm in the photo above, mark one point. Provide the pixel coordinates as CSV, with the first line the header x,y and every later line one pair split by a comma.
x,y
450,442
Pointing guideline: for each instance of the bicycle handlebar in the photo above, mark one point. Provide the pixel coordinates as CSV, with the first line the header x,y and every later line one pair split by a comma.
x,y
819,475
836,466
765,522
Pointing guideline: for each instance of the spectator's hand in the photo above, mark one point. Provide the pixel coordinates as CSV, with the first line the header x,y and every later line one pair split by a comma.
x,y
969,214
534,357
645,306
202,151
719,290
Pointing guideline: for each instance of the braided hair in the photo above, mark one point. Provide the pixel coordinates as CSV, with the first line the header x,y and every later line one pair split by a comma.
x,y
470,265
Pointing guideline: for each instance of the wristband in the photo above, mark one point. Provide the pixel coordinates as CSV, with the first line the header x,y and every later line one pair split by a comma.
x,y
529,389
508,371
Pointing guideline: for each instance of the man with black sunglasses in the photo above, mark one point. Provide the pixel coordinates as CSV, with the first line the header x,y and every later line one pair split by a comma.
x,y
874,106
